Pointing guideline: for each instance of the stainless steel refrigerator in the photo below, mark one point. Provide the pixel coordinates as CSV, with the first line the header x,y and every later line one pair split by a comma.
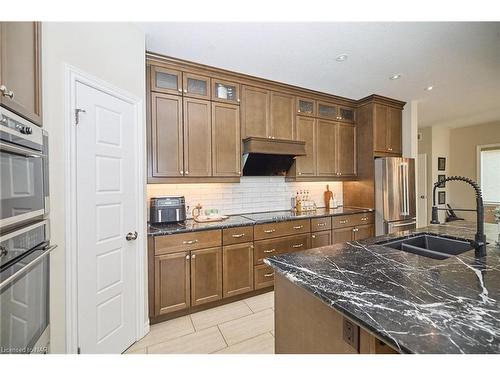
x,y
394,195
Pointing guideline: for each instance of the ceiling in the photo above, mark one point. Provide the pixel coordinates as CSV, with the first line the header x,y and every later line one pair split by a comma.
x,y
460,59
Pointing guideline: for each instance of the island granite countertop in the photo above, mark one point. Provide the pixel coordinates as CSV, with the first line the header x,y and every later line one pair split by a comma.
x,y
413,303
249,219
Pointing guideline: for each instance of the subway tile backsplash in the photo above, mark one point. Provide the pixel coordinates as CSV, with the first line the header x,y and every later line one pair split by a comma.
x,y
252,194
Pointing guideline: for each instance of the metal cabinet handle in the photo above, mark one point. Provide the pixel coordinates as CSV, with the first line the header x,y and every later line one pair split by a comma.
x,y
190,242
321,224
238,235
298,227
193,256
355,229
6,92
187,257
180,90
269,274
131,236
364,218
313,236
181,172
186,173
270,231
269,251
390,149
185,90
238,100
343,221
297,245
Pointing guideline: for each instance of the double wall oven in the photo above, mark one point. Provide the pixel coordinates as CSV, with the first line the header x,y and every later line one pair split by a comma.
x,y
24,236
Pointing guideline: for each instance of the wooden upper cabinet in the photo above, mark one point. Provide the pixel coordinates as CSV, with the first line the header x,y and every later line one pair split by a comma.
x,y
206,275
195,86
306,107
282,116
20,69
326,148
197,138
172,282
306,131
166,153
255,112
394,127
346,153
238,269
327,111
167,81
346,114
226,141
225,91
387,129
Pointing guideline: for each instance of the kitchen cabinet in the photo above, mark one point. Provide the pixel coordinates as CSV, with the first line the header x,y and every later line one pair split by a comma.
x,y
346,114
197,138
282,116
238,270
263,276
387,130
206,275
20,69
255,112
345,148
225,91
319,239
167,81
172,282
281,245
341,235
226,140
327,111
326,140
195,86
306,131
362,232
166,152
306,107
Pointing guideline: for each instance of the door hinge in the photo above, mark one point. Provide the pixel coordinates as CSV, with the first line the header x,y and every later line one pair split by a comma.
x,y
78,351
77,115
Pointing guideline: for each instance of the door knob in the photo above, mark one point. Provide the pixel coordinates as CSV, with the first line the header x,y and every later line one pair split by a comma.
x,y
422,196
131,236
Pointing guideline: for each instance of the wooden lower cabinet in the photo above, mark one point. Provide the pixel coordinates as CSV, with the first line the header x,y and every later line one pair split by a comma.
x,y
172,283
206,275
263,276
341,235
237,265
319,239
363,232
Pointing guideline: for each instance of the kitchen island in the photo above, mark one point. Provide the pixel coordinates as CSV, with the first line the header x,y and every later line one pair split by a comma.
x,y
363,297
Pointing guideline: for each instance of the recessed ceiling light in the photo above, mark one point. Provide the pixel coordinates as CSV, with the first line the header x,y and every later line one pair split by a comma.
x,y
429,88
341,58
395,76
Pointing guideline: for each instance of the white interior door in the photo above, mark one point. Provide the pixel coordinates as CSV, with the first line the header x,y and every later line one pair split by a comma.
x,y
106,204
422,190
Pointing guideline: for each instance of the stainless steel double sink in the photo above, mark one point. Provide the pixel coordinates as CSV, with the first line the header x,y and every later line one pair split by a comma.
x,y
429,245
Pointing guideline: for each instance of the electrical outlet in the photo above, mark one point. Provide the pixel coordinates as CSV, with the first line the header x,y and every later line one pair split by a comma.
x,y
350,334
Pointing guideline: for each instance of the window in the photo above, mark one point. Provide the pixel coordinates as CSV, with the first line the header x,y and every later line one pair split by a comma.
x,y
489,177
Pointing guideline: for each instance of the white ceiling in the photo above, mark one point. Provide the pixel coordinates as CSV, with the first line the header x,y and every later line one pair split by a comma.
x,y
461,60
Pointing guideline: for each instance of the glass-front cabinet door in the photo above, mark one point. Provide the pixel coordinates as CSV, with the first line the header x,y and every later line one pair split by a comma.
x,y
327,111
167,81
346,114
306,107
225,91
196,86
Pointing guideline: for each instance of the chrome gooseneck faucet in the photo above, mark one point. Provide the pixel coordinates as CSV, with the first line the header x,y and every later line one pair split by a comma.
x,y
480,237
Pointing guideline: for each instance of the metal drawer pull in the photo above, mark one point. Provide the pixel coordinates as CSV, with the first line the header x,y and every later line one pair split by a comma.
x,y
269,251
269,274
321,224
298,227
355,229
313,236
193,256
190,242
270,231
238,235
297,245
364,218
343,221
187,257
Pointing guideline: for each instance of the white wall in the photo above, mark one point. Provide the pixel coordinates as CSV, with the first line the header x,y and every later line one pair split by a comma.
x,y
252,194
112,52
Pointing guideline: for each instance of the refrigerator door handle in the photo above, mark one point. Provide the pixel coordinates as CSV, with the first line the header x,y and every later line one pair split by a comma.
x,y
407,175
403,190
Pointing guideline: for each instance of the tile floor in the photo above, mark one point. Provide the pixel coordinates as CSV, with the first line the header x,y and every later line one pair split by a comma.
x,y
242,327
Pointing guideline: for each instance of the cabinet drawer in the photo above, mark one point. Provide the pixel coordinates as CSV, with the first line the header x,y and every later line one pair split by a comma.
x,y
352,220
263,276
267,248
237,235
321,223
187,241
284,228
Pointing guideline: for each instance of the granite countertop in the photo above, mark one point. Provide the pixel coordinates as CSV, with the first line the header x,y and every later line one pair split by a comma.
x,y
249,219
413,303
